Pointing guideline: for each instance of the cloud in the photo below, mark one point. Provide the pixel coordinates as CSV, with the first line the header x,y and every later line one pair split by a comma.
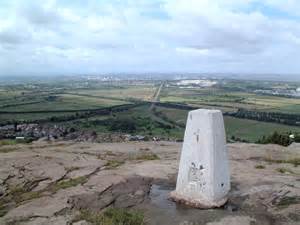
x,y
40,15
13,37
53,37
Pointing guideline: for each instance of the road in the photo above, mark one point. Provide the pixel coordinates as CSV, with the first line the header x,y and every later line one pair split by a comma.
x,y
156,95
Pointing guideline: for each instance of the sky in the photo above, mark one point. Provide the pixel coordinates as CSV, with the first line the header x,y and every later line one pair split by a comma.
x,y
66,37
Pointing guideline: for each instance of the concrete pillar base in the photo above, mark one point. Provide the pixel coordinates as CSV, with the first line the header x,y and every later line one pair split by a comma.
x,y
197,203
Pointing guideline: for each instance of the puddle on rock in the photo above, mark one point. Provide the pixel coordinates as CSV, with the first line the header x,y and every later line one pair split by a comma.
x,y
160,210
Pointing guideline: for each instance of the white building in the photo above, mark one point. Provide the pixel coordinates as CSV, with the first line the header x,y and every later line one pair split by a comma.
x,y
203,180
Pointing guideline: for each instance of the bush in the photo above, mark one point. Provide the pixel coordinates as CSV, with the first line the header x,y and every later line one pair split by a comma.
x,y
280,139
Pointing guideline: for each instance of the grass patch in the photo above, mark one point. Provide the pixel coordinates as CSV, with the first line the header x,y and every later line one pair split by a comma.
x,y
19,194
147,156
260,167
15,141
284,170
113,164
8,142
16,196
6,150
288,200
64,184
3,209
112,216
295,161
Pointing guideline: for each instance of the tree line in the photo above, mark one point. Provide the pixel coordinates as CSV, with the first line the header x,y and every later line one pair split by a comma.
x,y
275,117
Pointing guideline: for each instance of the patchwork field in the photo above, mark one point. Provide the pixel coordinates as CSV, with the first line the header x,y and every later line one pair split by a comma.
x,y
41,101
143,92
230,100
249,130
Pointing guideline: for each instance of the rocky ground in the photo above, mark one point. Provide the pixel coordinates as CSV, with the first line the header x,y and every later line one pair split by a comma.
x,y
55,182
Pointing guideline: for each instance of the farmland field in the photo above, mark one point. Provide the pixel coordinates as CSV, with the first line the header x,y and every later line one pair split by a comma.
x,y
64,102
231,100
245,129
69,103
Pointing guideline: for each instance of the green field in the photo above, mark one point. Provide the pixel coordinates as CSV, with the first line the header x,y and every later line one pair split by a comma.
x,y
249,130
230,100
143,92
44,98
65,102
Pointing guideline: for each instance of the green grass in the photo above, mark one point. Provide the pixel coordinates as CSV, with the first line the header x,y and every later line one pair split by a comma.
x,y
66,102
284,170
221,99
5,142
113,164
76,95
64,184
8,142
294,161
144,92
147,156
288,200
260,167
15,196
19,194
112,216
252,130
32,116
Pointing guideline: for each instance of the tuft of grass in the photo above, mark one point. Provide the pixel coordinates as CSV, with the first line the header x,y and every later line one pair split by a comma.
x,y
260,167
112,216
20,194
147,156
16,195
294,161
113,164
64,184
284,170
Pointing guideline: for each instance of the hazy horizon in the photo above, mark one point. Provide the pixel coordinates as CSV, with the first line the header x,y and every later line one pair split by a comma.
x,y
155,76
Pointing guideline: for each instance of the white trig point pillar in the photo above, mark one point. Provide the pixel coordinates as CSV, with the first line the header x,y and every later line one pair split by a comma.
x,y
203,179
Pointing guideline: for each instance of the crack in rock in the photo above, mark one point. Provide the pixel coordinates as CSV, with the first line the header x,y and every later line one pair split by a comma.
x,y
125,194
